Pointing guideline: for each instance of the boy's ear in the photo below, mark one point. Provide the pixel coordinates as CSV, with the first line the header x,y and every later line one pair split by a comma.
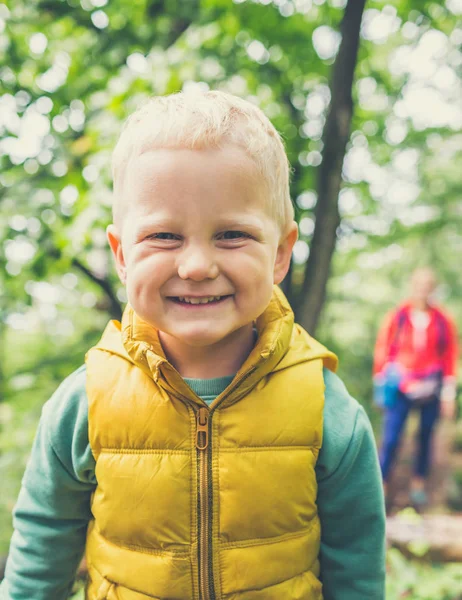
x,y
284,252
115,243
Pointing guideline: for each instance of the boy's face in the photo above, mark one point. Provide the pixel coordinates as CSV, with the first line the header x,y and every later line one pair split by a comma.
x,y
198,248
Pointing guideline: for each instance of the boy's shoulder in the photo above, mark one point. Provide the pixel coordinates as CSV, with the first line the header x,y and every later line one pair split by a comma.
x,y
67,408
346,424
69,402
340,408
69,390
337,394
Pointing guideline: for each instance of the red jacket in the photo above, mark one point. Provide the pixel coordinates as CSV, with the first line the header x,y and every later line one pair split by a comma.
x,y
395,343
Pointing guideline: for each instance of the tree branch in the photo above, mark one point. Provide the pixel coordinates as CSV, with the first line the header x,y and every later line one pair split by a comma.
x,y
115,307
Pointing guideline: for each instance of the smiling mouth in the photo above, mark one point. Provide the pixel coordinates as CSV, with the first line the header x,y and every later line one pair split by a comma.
x,y
198,300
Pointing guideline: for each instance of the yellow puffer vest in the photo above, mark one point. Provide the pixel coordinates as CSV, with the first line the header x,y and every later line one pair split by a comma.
x,y
205,503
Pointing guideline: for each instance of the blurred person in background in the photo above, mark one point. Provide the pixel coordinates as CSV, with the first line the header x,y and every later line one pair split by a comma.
x,y
415,367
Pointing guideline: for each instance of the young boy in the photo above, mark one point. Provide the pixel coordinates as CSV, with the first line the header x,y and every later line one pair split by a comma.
x,y
206,450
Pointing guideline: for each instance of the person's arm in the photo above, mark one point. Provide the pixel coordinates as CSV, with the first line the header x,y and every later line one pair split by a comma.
x,y
53,508
450,354
452,351
350,501
382,344
449,389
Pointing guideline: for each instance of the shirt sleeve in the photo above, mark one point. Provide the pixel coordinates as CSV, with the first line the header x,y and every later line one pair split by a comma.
x,y
350,501
53,508
451,351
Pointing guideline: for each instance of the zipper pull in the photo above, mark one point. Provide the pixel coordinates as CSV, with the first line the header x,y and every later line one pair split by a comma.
x,y
202,430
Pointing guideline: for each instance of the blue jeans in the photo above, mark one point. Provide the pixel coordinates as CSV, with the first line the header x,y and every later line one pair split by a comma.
x,y
393,425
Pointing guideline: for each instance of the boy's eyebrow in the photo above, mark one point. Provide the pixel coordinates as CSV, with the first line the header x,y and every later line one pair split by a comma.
x,y
168,224
147,223
245,222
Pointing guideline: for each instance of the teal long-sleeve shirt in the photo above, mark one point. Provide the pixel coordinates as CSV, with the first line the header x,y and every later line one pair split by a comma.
x,y
53,507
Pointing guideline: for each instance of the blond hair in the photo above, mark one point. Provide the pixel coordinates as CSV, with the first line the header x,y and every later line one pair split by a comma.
x,y
200,120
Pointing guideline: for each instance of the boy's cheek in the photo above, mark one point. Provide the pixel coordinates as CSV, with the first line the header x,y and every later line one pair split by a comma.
x,y
146,276
258,262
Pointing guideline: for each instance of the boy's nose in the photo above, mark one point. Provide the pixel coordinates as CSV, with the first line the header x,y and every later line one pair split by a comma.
x,y
197,265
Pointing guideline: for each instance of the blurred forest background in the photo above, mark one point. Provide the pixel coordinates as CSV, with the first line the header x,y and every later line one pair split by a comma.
x,y
388,200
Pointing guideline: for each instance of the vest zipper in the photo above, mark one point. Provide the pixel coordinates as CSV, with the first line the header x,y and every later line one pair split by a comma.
x,y
203,452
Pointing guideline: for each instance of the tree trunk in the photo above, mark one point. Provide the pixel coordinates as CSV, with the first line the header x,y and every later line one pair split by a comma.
x,y
335,137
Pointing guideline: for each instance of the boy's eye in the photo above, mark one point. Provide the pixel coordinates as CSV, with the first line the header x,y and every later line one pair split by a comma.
x,y
234,235
163,235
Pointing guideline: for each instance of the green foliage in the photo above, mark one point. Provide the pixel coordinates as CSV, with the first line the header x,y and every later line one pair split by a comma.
x,y
419,581
457,444
455,490
79,593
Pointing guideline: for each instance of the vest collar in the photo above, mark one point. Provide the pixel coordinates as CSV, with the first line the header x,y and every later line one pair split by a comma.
x,y
142,347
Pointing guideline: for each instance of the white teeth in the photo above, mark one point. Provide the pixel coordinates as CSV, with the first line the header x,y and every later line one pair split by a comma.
x,y
205,300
